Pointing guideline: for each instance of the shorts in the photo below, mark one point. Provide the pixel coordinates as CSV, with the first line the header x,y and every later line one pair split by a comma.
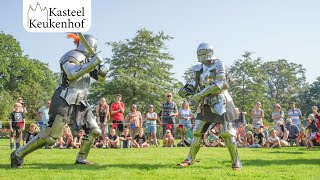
x,y
151,128
16,132
185,123
118,125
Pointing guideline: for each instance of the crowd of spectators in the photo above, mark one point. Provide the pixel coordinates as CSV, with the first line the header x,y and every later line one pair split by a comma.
x,y
140,130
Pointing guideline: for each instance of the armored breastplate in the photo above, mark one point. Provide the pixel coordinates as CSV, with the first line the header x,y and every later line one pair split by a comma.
x,y
208,76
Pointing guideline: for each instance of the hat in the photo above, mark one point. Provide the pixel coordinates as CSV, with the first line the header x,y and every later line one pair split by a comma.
x,y
168,131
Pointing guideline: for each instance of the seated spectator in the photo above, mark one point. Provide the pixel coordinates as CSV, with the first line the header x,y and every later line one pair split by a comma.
x,y
241,135
140,140
293,132
211,139
112,139
125,139
168,139
274,140
33,131
98,143
66,139
283,134
259,135
250,141
302,137
77,140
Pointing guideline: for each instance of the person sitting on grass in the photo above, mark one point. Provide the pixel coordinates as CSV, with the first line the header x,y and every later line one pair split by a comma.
x,y
212,140
77,140
250,141
168,139
259,135
66,139
125,139
241,135
283,134
274,141
33,131
302,137
140,140
112,139
98,143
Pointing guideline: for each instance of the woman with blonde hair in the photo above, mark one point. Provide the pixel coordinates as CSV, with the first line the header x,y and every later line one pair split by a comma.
x,y
185,119
277,115
102,113
257,115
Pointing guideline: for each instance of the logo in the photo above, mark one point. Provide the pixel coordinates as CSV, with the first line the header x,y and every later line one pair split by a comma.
x,y
56,15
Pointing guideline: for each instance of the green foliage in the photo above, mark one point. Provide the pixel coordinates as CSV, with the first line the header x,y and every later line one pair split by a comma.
x,y
139,70
310,97
249,85
23,77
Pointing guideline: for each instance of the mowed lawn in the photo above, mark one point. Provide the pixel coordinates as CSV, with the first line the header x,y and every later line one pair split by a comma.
x,y
160,163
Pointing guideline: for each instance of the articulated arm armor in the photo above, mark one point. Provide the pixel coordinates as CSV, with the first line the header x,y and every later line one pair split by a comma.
x,y
191,87
213,81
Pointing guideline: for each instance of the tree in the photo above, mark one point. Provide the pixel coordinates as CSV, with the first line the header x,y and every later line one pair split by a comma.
x,y
285,81
139,69
249,84
21,76
310,97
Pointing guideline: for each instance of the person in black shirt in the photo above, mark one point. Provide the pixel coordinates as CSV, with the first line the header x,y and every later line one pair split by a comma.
x,y
33,131
125,139
140,140
17,125
112,139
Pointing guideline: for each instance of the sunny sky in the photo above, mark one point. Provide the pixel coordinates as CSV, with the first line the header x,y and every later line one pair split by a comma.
x,y
271,29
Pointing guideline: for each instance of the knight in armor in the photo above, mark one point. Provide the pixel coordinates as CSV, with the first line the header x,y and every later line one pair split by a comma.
x,y
69,102
209,87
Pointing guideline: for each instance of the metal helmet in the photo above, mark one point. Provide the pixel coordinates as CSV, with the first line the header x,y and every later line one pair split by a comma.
x,y
92,41
205,52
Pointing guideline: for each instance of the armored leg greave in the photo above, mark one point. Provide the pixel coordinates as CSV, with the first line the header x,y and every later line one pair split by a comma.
x,y
198,130
229,136
87,142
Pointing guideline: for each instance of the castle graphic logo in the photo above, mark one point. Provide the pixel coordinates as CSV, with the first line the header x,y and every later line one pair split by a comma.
x,y
57,15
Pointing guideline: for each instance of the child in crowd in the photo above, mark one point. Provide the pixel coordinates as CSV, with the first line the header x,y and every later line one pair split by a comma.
x,y
168,139
17,125
251,142
33,131
98,143
212,140
112,139
302,137
125,139
259,135
241,135
66,139
274,140
77,140
140,140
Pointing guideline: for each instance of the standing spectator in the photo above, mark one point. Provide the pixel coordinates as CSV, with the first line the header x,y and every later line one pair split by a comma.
x,y
168,139
151,125
134,119
274,140
66,139
185,116
33,131
77,140
169,112
295,114
240,119
140,140
277,115
257,115
117,110
23,105
17,125
113,139
293,132
43,116
125,139
102,114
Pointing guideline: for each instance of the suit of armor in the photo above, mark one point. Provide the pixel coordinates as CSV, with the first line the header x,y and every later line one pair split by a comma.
x,y
68,103
209,87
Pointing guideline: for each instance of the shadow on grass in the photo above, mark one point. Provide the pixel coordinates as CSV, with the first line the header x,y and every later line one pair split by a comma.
x,y
93,167
260,162
286,152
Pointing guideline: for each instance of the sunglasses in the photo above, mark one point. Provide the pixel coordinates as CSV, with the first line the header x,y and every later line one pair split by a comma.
x,y
169,96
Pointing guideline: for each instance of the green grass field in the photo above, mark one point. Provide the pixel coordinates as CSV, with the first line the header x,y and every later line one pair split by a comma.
x,y
160,163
